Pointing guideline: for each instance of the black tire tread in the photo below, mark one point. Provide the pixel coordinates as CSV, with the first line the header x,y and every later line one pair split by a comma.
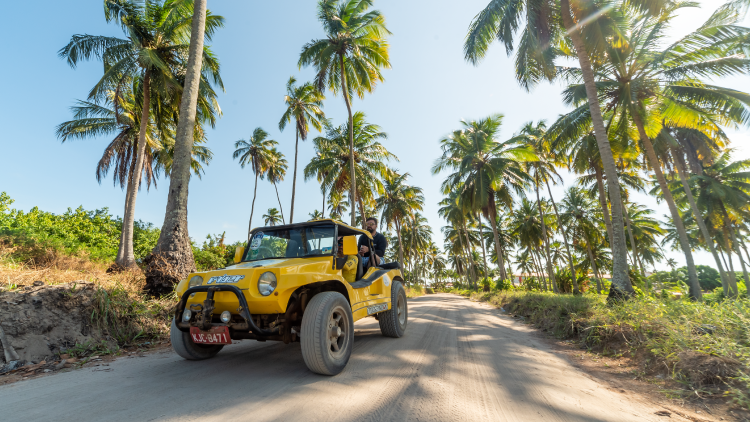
x,y
312,321
388,320
186,349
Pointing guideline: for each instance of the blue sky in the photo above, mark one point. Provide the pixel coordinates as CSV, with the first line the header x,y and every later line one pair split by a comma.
x,y
429,89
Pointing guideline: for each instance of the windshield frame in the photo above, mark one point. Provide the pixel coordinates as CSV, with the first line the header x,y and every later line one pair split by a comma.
x,y
303,229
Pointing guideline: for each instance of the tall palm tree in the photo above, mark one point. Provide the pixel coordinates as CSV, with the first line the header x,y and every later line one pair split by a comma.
x,y
543,169
648,87
258,153
154,53
483,167
453,212
724,192
303,106
272,217
589,25
350,57
578,213
331,164
398,201
275,173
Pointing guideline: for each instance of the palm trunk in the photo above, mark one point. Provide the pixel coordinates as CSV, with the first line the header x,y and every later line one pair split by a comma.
x,y
323,212
695,288
281,209
545,240
463,250
593,263
737,250
362,211
345,91
121,247
538,267
252,207
400,243
294,177
633,248
603,202
576,290
128,256
172,258
498,249
699,218
732,289
484,252
469,255
620,279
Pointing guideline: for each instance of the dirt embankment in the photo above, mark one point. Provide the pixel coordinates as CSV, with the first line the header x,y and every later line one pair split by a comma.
x,y
41,322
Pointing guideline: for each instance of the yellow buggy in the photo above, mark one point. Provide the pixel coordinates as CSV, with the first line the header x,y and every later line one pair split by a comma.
x,y
287,285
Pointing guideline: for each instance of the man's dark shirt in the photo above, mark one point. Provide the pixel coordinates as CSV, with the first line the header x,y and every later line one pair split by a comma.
x,y
378,241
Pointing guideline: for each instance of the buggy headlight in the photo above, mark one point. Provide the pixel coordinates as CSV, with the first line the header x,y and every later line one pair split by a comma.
x,y
267,283
195,281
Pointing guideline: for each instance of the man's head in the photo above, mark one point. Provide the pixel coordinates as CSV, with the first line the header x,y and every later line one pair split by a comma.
x,y
371,224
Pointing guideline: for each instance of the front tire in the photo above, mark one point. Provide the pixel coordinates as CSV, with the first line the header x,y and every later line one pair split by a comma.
x,y
393,321
327,333
183,345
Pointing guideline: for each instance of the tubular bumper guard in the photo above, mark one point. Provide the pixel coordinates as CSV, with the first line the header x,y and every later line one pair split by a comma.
x,y
208,306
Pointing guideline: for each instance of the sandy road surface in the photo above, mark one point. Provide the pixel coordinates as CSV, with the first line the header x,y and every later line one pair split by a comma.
x,y
459,360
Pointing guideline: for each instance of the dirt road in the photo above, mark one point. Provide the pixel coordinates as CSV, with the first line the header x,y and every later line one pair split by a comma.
x,y
459,360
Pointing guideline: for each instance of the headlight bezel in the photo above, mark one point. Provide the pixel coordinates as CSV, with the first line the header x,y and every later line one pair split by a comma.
x,y
195,281
265,281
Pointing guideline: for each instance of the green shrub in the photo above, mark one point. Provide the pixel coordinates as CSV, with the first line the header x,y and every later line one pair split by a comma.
x,y
503,284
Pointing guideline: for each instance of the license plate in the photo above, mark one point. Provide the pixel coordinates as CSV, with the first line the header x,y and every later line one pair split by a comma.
x,y
216,335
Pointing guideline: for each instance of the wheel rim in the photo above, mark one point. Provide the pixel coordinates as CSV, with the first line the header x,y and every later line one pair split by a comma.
x,y
401,310
338,327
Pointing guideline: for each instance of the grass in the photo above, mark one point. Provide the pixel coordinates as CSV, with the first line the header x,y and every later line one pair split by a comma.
x,y
703,347
414,291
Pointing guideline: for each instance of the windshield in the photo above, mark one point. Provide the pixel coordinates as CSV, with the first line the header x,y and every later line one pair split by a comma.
x,y
291,243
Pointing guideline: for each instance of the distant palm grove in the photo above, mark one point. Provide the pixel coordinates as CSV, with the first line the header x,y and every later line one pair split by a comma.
x,y
645,115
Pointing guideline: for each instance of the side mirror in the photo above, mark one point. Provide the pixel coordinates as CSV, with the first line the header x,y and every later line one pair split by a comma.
x,y
238,254
350,245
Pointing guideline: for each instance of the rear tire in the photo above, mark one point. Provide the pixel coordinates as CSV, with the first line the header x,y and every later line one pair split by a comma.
x,y
393,321
183,345
327,333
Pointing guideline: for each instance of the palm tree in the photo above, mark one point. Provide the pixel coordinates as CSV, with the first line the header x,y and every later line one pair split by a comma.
x,y
337,206
453,212
692,143
589,26
272,217
258,152
303,105
398,201
350,57
484,168
154,54
275,173
331,164
672,263
578,213
724,192
542,170
648,87
316,215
